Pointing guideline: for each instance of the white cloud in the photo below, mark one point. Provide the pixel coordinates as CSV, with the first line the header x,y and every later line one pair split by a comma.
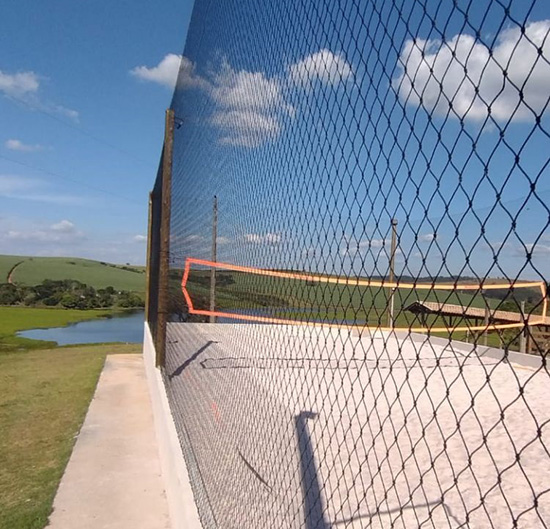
x,y
64,226
18,145
269,239
246,90
536,250
325,66
366,245
427,237
19,84
358,246
64,111
61,232
24,87
464,73
193,238
10,184
25,236
171,69
139,238
250,107
165,72
34,190
246,128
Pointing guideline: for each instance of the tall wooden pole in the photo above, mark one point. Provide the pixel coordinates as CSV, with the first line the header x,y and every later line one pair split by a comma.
x,y
391,322
149,249
214,259
164,265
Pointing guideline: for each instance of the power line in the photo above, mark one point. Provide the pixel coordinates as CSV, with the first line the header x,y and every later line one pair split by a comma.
x,y
74,181
82,131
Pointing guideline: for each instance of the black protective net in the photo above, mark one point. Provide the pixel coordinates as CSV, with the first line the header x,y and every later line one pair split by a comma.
x,y
358,256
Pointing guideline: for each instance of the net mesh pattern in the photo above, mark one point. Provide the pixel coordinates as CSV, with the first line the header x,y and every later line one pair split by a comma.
x,y
355,329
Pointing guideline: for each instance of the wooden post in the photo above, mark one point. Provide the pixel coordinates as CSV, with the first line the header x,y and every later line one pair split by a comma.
x,y
486,323
523,335
214,259
148,263
164,265
391,322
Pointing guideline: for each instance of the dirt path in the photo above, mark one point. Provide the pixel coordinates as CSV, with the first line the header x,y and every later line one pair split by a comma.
x,y
12,270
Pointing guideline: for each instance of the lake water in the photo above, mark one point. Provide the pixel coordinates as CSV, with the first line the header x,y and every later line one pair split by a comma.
x,y
126,328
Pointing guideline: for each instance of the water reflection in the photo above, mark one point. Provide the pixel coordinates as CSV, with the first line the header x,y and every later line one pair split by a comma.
x,y
126,328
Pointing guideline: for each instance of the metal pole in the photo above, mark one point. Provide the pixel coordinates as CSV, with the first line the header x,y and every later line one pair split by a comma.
x,y
391,321
164,265
214,259
523,335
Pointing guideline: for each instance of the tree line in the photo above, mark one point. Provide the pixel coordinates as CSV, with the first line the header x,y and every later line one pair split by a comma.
x,y
69,294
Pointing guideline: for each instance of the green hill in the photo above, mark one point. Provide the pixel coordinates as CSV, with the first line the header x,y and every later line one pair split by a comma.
x,y
33,270
7,262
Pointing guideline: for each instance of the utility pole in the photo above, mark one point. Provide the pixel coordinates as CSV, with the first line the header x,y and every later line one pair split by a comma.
x,y
391,322
214,259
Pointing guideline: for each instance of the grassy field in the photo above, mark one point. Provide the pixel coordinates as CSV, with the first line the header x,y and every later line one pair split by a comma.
x,y
333,303
7,262
13,319
321,300
44,398
34,270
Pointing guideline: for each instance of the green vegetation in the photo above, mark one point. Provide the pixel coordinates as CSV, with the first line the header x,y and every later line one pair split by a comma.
x,y
34,270
335,303
324,301
13,319
7,262
43,402
69,294
76,285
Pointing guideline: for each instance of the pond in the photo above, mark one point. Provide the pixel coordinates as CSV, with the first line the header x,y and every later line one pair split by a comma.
x,y
126,328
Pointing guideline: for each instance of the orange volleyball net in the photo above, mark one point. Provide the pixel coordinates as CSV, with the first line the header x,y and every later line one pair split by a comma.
x,y
494,319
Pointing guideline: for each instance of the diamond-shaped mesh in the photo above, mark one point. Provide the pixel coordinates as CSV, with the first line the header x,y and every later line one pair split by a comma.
x,y
353,324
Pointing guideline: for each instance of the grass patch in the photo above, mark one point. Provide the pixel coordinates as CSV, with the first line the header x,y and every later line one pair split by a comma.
x,y
44,398
97,274
14,319
7,262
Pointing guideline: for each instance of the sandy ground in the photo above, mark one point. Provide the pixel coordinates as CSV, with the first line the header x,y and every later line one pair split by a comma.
x,y
310,427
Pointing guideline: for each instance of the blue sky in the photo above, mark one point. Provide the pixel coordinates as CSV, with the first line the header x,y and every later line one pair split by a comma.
x,y
80,135
309,127
297,117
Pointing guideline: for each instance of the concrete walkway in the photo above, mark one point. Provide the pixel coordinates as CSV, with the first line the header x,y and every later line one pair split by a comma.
x,y
113,479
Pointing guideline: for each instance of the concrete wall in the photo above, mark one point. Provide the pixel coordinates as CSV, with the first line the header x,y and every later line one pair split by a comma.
x,y
534,361
181,504
522,359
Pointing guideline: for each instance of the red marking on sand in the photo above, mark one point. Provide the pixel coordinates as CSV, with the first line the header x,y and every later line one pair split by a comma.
x,y
215,411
